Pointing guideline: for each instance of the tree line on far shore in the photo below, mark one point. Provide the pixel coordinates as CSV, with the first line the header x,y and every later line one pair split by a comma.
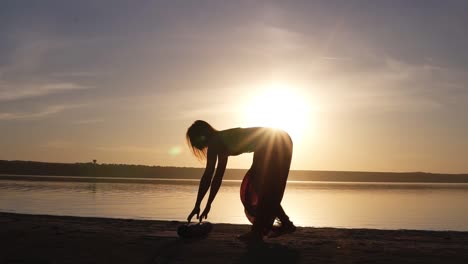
x,y
93,169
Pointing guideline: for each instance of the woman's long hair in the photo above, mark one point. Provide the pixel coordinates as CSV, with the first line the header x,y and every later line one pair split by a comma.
x,y
198,135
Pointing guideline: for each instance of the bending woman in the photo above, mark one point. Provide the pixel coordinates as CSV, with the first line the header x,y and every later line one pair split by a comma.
x,y
263,186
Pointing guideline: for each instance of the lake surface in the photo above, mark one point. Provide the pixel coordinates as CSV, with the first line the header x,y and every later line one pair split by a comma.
x,y
320,204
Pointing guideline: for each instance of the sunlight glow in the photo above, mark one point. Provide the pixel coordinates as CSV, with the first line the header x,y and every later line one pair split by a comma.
x,y
279,106
175,151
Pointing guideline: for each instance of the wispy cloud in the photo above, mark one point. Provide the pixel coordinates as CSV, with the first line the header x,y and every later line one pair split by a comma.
x,y
391,85
78,74
13,92
333,58
214,110
87,121
58,144
132,149
47,111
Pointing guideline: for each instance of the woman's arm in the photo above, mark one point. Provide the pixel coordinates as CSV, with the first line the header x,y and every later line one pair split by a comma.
x,y
215,184
205,182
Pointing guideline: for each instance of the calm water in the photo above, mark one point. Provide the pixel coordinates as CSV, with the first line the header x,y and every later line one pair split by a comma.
x,y
319,204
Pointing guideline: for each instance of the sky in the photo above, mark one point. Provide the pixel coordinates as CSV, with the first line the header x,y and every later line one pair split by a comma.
x,y
381,85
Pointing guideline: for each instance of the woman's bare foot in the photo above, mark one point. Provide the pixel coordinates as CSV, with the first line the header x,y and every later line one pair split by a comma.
x,y
251,236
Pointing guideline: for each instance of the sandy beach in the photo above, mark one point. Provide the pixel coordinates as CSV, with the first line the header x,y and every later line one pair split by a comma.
x,y
63,239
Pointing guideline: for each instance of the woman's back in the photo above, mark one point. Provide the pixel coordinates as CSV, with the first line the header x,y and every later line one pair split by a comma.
x,y
241,140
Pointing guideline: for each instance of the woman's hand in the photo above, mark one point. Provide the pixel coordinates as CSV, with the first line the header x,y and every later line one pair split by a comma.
x,y
205,212
195,211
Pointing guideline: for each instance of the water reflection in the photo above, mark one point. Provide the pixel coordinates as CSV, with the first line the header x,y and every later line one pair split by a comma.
x,y
359,205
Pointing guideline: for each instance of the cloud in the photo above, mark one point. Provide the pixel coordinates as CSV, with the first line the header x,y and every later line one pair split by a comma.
x,y
213,110
131,149
11,92
387,84
37,64
58,144
77,74
87,121
47,111
333,58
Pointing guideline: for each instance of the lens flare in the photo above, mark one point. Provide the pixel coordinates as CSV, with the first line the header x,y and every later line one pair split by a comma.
x,y
175,151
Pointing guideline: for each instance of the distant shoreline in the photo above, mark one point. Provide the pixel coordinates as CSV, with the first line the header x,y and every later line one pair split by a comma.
x,y
92,179
143,173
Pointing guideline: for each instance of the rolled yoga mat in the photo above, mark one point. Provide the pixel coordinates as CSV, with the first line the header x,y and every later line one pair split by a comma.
x,y
194,230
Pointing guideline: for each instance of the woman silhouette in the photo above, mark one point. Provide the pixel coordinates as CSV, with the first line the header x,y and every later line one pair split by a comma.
x,y
263,186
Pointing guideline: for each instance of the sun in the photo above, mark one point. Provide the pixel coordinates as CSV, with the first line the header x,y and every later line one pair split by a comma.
x,y
279,106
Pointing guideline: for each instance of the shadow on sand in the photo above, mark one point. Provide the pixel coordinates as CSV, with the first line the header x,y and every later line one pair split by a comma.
x,y
269,253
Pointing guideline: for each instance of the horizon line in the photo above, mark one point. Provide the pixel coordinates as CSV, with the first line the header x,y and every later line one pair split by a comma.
x,y
184,167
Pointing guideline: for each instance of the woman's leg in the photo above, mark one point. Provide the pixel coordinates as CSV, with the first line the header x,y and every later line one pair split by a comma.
x,y
271,165
253,184
286,225
282,216
286,149
278,155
